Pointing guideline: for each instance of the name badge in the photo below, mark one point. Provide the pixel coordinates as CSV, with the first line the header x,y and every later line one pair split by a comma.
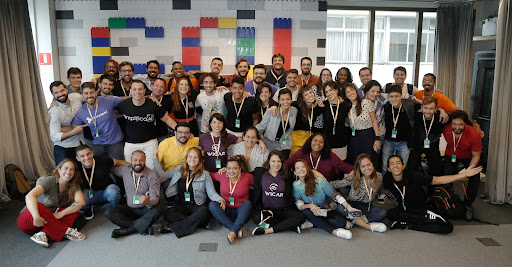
x,y
136,200
217,164
278,85
90,193
187,196
334,130
283,140
264,225
454,158
393,133
353,132
96,133
426,143
232,201
237,123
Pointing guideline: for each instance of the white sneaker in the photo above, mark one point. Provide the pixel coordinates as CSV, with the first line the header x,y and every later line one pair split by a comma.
x,y
307,224
345,234
73,235
378,227
41,239
349,224
433,216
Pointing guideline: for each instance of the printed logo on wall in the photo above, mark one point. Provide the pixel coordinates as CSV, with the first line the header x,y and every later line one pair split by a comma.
x,y
45,58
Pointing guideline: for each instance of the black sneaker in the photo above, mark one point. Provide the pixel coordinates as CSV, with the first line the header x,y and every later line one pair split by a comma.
x,y
118,233
212,223
297,229
258,231
89,213
399,225
164,229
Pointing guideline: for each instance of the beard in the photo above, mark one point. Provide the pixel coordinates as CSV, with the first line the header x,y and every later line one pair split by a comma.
x,y
152,76
138,168
62,100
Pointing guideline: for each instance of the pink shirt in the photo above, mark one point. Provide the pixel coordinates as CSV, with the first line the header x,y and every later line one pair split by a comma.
x,y
241,191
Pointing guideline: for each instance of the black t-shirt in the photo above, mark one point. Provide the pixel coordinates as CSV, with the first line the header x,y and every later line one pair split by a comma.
x,y
419,130
118,90
415,196
249,108
182,114
140,120
302,123
402,127
271,103
101,178
341,134
281,78
161,127
182,188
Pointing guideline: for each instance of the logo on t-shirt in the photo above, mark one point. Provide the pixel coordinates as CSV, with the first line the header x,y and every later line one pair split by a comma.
x,y
148,118
89,120
273,187
214,148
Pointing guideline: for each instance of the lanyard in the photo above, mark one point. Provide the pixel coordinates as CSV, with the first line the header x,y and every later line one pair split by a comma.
x,y
456,144
232,189
95,112
310,119
335,117
188,181
137,183
181,153
307,82
92,173
402,193
430,127
283,123
216,148
277,78
159,101
185,105
124,91
395,121
369,192
352,119
262,113
72,115
317,161
240,109
254,87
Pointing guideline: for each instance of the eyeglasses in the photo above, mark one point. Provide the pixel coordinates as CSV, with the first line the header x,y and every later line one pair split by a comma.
x,y
126,71
306,65
180,132
111,67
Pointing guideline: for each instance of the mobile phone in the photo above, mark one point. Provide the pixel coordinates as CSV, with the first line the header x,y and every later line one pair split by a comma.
x,y
354,214
322,212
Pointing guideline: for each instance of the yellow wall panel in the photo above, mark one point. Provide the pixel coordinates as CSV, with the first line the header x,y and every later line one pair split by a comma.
x,y
227,23
101,51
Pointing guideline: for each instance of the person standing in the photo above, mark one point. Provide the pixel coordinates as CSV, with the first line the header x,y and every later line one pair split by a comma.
x,y
307,78
335,115
277,74
241,112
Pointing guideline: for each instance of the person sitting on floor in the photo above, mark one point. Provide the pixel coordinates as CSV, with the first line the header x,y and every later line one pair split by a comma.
x,y
142,197
250,148
53,205
274,209
407,190
235,184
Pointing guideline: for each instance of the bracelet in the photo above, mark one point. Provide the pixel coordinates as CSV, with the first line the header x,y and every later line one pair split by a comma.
x,y
377,138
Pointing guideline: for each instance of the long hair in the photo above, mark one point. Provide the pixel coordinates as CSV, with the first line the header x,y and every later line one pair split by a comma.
x,y
175,95
326,150
349,75
284,170
258,93
241,161
68,196
198,170
223,132
359,108
319,85
310,179
356,182
306,112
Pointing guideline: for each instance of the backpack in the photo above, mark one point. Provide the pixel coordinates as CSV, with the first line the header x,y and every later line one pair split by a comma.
x,y
410,88
446,203
17,184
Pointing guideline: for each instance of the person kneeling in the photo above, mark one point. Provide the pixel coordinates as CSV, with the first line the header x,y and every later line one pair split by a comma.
x,y
53,205
142,195
190,209
406,188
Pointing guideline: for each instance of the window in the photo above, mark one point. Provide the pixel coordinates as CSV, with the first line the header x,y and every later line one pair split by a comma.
x,y
394,43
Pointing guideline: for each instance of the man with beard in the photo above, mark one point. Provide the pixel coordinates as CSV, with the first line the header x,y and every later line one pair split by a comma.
x,y
306,77
242,70
142,197
277,75
75,80
399,75
259,76
165,101
106,84
172,151
292,77
178,71
99,113
141,116
64,143
365,75
152,73
464,146
216,67
122,87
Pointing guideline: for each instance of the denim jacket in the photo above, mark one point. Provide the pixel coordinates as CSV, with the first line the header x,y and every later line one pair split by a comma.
x,y
202,185
269,125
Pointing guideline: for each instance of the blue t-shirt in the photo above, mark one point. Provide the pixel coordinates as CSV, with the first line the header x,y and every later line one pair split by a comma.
x,y
109,132
322,190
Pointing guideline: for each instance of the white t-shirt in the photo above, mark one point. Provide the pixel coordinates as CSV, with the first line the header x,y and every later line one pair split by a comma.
x,y
294,94
210,104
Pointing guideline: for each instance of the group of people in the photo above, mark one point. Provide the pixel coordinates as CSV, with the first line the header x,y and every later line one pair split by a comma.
x,y
289,150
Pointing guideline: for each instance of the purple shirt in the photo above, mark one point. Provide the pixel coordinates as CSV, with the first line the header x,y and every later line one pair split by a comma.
x,y
329,168
209,148
109,132
273,189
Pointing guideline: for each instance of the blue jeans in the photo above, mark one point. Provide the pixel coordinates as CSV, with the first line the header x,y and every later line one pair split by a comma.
x,y
111,194
334,220
373,215
115,151
232,218
60,153
389,148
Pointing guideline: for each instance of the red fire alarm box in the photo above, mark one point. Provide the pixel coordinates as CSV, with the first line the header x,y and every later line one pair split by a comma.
x,y
45,58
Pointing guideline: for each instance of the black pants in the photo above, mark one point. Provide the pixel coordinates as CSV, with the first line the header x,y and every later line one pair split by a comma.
x,y
185,218
433,157
139,218
417,221
450,168
283,220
